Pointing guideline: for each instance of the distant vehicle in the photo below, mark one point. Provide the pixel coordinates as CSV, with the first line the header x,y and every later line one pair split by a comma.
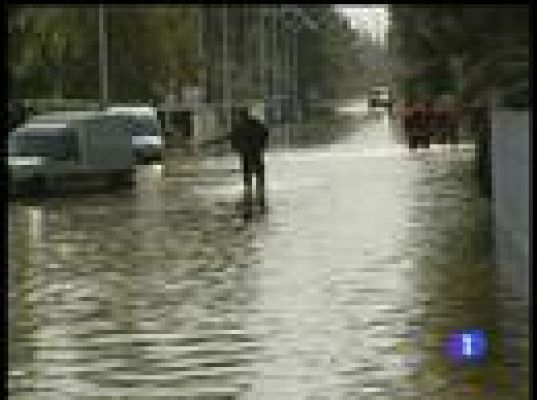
x,y
427,121
58,151
380,97
146,129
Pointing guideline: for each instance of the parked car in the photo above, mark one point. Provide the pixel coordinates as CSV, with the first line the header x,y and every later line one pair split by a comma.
x,y
146,130
55,152
380,97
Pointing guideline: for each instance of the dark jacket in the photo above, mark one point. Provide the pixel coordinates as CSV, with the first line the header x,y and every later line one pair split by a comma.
x,y
249,137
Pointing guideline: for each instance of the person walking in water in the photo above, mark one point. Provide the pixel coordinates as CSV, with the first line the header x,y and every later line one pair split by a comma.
x,y
249,139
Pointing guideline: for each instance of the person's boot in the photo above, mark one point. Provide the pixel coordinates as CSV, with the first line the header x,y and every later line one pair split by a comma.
x,y
260,191
247,202
248,192
261,200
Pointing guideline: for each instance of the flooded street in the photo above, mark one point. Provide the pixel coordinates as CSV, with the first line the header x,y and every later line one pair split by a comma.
x,y
366,258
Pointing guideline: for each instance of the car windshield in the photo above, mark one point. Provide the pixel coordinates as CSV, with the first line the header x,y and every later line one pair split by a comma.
x,y
144,128
51,143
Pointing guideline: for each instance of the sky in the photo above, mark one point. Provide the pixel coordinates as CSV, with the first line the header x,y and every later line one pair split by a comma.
x,y
369,17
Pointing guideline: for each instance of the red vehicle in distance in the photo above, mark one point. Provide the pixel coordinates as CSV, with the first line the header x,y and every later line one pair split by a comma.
x,y
427,121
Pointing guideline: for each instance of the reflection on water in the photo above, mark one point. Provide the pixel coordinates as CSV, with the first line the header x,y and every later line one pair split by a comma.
x,y
322,127
456,282
367,257
130,293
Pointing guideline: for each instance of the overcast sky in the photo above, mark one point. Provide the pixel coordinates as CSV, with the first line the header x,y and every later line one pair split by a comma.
x,y
369,17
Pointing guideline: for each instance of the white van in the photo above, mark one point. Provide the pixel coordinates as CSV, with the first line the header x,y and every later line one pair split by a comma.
x,y
57,150
147,141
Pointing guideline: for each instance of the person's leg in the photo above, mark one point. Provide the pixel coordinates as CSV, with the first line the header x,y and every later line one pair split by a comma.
x,y
247,175
247,194
260,178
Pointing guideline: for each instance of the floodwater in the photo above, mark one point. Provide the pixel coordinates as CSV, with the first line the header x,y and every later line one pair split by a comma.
x,y
367,256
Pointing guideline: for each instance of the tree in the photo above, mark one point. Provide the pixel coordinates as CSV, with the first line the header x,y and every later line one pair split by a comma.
x,y
47,47
330,55
488,46
54,51
153,50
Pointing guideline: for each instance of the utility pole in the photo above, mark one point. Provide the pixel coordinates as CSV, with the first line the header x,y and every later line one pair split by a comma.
x,y
287,61
58,66
296,105
275,108
300,21
262,56
103,57
273,48
225,68
199,125
202,81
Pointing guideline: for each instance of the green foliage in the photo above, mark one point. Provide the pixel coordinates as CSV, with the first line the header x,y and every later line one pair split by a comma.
x,y
491,43
45,46
53,51
329,56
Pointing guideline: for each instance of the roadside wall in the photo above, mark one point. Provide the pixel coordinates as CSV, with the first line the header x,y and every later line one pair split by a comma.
x,y
510,163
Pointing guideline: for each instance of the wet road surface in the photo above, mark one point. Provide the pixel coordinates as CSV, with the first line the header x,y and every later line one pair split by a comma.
x,y
367,256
